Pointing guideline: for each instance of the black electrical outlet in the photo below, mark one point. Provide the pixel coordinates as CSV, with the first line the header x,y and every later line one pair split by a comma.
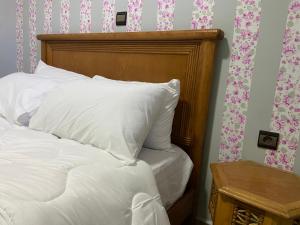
x,y
268,140
121,18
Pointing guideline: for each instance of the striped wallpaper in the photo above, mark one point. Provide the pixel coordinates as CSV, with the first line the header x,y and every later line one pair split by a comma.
x,y
286,110
243,50
240,74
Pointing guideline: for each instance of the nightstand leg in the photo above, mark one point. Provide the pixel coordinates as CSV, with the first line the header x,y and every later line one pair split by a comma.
x,y
224,209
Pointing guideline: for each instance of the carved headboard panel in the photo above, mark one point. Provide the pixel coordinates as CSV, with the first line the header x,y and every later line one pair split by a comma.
x,y
151,57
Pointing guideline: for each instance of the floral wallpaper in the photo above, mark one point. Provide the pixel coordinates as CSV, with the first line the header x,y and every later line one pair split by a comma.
x,y
19,33
165,15
48,4
202,17
134,15
32,34
286,110
109,9
65,16
245,38
85,16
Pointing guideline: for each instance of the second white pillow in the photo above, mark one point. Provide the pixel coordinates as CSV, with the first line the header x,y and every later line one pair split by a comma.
x,y
159,137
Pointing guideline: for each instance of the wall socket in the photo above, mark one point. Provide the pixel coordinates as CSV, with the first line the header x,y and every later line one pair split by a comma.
x,y
121,18
268,140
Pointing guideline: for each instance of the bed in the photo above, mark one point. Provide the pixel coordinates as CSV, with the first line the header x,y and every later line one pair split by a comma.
x,y
82,149
151,57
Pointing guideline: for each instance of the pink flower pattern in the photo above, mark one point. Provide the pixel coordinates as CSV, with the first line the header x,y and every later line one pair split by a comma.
x,y
134,22
286,114
85,16
245,38
48,16
202,17
32,35
65,16
165,15
19,33
109,21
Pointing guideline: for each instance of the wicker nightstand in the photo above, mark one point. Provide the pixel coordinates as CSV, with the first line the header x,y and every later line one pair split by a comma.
x,y
247,193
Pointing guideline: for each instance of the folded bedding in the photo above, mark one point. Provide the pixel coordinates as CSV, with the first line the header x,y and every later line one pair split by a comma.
x,y
47,180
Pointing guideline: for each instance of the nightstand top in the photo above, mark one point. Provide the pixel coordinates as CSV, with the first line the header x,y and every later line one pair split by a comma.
x,y
264,187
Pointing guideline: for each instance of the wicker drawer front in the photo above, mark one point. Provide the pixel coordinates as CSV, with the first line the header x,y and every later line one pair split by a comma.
x,y
238,213
243,215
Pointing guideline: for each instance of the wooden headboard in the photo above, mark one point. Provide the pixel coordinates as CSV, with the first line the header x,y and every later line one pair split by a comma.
x,y
151,57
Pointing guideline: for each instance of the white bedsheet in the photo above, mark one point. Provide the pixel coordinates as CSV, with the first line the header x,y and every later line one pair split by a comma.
x,y
171,169
49,181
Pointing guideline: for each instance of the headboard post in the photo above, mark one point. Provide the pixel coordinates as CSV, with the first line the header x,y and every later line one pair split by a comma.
x,y
44,51
207,48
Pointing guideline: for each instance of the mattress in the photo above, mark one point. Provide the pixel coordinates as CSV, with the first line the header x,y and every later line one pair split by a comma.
x,y
171,170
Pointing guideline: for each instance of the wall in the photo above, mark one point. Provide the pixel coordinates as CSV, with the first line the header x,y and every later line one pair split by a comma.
x,y
262,90
264,60
7,38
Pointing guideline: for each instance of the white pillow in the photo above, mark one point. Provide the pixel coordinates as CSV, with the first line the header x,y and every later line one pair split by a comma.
x,y
20,96
21,93
159,137
53,73
112,117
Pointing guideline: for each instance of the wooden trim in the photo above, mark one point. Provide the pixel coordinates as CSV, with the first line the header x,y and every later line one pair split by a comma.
x,y
212,34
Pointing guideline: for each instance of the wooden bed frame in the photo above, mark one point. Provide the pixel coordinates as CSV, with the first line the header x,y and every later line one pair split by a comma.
x,y
151,57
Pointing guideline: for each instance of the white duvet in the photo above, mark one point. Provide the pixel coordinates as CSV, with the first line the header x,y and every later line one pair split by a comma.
x,y
49,181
